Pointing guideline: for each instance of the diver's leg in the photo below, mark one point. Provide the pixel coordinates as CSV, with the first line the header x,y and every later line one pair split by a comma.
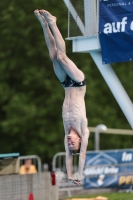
x,y
51,20
59,71
69,67
50,41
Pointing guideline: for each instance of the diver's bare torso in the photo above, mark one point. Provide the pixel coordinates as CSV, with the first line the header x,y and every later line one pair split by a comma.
x,y
74,111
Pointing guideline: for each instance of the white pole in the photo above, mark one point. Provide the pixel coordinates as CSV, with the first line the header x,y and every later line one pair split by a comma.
x,y
115,86
98,129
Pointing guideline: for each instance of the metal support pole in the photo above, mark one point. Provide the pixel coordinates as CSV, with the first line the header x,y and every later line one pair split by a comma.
x,y
115,86
97,141
98,129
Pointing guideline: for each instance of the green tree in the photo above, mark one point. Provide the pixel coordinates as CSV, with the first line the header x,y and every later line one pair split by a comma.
x,y
31,97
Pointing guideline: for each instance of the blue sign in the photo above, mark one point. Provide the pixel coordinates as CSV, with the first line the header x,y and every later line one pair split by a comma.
x,y
116,30
107,169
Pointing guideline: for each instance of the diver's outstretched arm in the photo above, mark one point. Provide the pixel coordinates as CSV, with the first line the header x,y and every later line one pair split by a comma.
x,y
69,159
82,155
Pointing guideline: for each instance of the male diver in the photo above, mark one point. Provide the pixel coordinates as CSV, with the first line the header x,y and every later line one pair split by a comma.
x,y
74,84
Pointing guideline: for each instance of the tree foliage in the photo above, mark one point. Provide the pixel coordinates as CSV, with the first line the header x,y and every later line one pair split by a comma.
x,y
31,96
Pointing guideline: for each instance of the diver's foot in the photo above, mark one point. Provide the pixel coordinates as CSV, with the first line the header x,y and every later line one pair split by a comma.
x,y
40,18
48,17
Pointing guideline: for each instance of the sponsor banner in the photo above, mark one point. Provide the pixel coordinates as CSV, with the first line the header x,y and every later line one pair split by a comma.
x,y
116,30
108,169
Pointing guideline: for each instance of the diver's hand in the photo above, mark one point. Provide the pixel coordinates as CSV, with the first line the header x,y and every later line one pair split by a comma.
x,y
76,182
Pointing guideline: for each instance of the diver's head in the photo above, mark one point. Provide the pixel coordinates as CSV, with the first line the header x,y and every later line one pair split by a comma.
x,y
74,142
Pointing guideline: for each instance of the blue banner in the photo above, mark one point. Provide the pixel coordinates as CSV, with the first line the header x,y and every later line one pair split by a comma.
x,y
116,30
108,169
